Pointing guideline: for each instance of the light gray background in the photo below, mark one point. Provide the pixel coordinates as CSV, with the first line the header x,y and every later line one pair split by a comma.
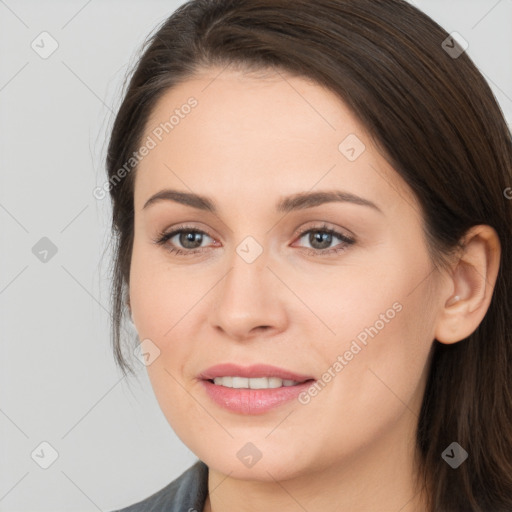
x,y
58,382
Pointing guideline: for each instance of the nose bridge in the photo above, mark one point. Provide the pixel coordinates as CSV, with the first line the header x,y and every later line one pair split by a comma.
x,y
248,277
247,298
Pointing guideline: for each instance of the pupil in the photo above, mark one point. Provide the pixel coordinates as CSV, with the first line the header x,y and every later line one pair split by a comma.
x,y
325,237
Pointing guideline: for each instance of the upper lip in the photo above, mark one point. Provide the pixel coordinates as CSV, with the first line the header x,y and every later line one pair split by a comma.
x,y
253,371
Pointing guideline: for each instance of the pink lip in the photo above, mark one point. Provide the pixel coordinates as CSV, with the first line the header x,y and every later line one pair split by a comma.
x,y
252,401
256,370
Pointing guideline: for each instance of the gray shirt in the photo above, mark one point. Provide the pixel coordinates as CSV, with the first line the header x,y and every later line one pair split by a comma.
x,y
187,493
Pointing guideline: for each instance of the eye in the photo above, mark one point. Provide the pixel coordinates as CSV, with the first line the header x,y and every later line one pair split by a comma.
x,y
321,238
188,240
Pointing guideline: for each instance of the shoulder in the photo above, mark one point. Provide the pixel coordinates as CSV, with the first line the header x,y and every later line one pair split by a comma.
x,y
188,491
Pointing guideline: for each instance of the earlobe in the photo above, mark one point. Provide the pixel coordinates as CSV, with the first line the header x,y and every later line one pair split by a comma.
x,y
473,278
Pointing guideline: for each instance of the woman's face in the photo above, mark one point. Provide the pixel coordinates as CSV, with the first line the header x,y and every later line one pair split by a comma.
x,y
265,283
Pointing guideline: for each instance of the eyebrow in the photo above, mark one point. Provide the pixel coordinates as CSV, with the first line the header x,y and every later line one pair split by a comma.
x,y
298,201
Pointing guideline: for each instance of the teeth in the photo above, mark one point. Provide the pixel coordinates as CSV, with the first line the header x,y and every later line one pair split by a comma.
x,y
254,383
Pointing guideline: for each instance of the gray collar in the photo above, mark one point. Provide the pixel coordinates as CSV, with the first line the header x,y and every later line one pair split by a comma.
x,y
187,493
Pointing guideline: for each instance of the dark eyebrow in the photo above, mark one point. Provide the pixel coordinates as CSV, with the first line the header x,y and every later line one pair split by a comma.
x,y
287,204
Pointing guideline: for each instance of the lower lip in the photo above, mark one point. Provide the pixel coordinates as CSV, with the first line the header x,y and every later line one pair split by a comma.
x,y
253,401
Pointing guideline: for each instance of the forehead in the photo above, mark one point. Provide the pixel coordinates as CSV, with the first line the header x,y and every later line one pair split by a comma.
x,y
225,132
228,100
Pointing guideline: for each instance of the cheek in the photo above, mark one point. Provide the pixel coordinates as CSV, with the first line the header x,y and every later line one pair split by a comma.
x,y
161,295
166,302
380,334
381,373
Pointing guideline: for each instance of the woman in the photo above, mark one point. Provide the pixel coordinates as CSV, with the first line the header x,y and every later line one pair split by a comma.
x,y
313,241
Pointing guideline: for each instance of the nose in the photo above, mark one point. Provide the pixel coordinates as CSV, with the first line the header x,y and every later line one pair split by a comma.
x,y
249,300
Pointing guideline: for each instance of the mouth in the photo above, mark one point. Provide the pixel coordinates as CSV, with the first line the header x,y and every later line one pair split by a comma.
x,y
253,389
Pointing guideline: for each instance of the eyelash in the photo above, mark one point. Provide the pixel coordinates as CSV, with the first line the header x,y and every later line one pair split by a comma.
x,y
162,238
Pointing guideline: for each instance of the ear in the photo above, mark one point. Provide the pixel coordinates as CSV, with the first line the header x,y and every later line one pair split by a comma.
x,y
470,285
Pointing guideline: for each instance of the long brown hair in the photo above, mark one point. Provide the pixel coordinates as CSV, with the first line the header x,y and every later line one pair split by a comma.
x,y
435,119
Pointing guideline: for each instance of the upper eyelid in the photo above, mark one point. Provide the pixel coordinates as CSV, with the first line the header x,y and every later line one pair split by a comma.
x,y
325,227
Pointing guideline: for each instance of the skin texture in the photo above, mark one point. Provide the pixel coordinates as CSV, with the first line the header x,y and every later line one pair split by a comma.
x,y
250,141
